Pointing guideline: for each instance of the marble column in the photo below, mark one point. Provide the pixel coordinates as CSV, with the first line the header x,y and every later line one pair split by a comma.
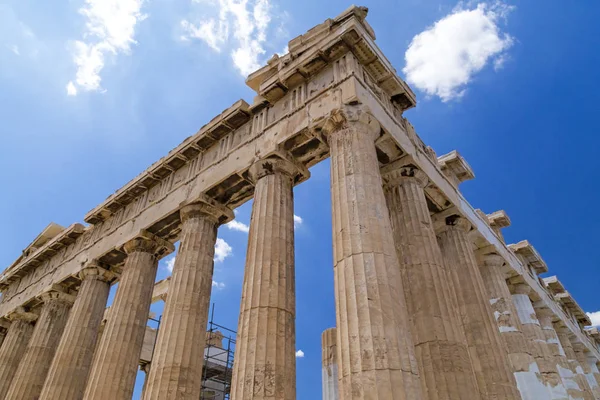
x,y
69,370
581,355
376,356
329,372
439,340
530,383
265,361
14,347
534,334
114,368
576,385
592,363
487,352
33,368
178,358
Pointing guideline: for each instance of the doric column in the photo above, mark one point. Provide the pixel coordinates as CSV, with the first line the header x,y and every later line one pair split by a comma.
x,y
176,371
564,337
33,368
376,356
329,373
575,384
582,358
487,352
526,371
533,332
592,363
14,347
439,340
265,362
69,370
116,360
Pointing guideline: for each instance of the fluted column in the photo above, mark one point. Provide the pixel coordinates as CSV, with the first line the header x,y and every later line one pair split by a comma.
x,y
439,340
376,356
581,355
329,372
14,347
33,368
592,363
564,337
69,370
116,360
265,362
176,371
530,383
533,332
575,383
487,352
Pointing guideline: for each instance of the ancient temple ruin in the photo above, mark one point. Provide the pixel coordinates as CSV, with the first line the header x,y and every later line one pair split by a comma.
x,y
430,301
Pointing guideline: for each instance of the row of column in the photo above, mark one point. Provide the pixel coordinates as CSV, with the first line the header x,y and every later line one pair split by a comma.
x,y
414,306
265,354
445,327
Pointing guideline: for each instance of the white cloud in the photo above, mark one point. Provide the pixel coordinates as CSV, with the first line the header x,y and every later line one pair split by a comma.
x,y
299,354
237,226
15,49
222,250
297,221
244,23
170,263
443,59
71,89
594,317
110,30
218,285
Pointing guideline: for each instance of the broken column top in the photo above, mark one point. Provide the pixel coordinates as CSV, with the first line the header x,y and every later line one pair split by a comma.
x,y
529,254
455,167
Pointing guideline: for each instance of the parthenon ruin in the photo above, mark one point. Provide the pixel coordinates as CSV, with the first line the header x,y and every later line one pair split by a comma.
x,y
431,303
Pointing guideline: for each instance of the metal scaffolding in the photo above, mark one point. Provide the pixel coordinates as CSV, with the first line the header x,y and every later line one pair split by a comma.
x,y
218,361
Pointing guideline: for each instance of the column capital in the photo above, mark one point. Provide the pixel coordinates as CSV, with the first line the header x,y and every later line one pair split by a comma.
x,y
95,270
276,164
492,260
399,175
453,222
206,207
147,242
520,288
20,314
562,330
543,312
579,347
348,117
55,294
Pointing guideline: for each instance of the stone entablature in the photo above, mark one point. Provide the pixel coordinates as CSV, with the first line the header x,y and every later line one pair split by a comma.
x,y
335,65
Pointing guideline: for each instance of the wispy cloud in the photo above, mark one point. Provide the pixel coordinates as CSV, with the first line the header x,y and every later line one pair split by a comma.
x,y
222,250
299,354
218,285
297,221
237,226
443,59
15,49
110,30
170,263
241,24
594,317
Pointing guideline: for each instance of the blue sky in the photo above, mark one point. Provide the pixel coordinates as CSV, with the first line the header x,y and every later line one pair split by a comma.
x,y
91,95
